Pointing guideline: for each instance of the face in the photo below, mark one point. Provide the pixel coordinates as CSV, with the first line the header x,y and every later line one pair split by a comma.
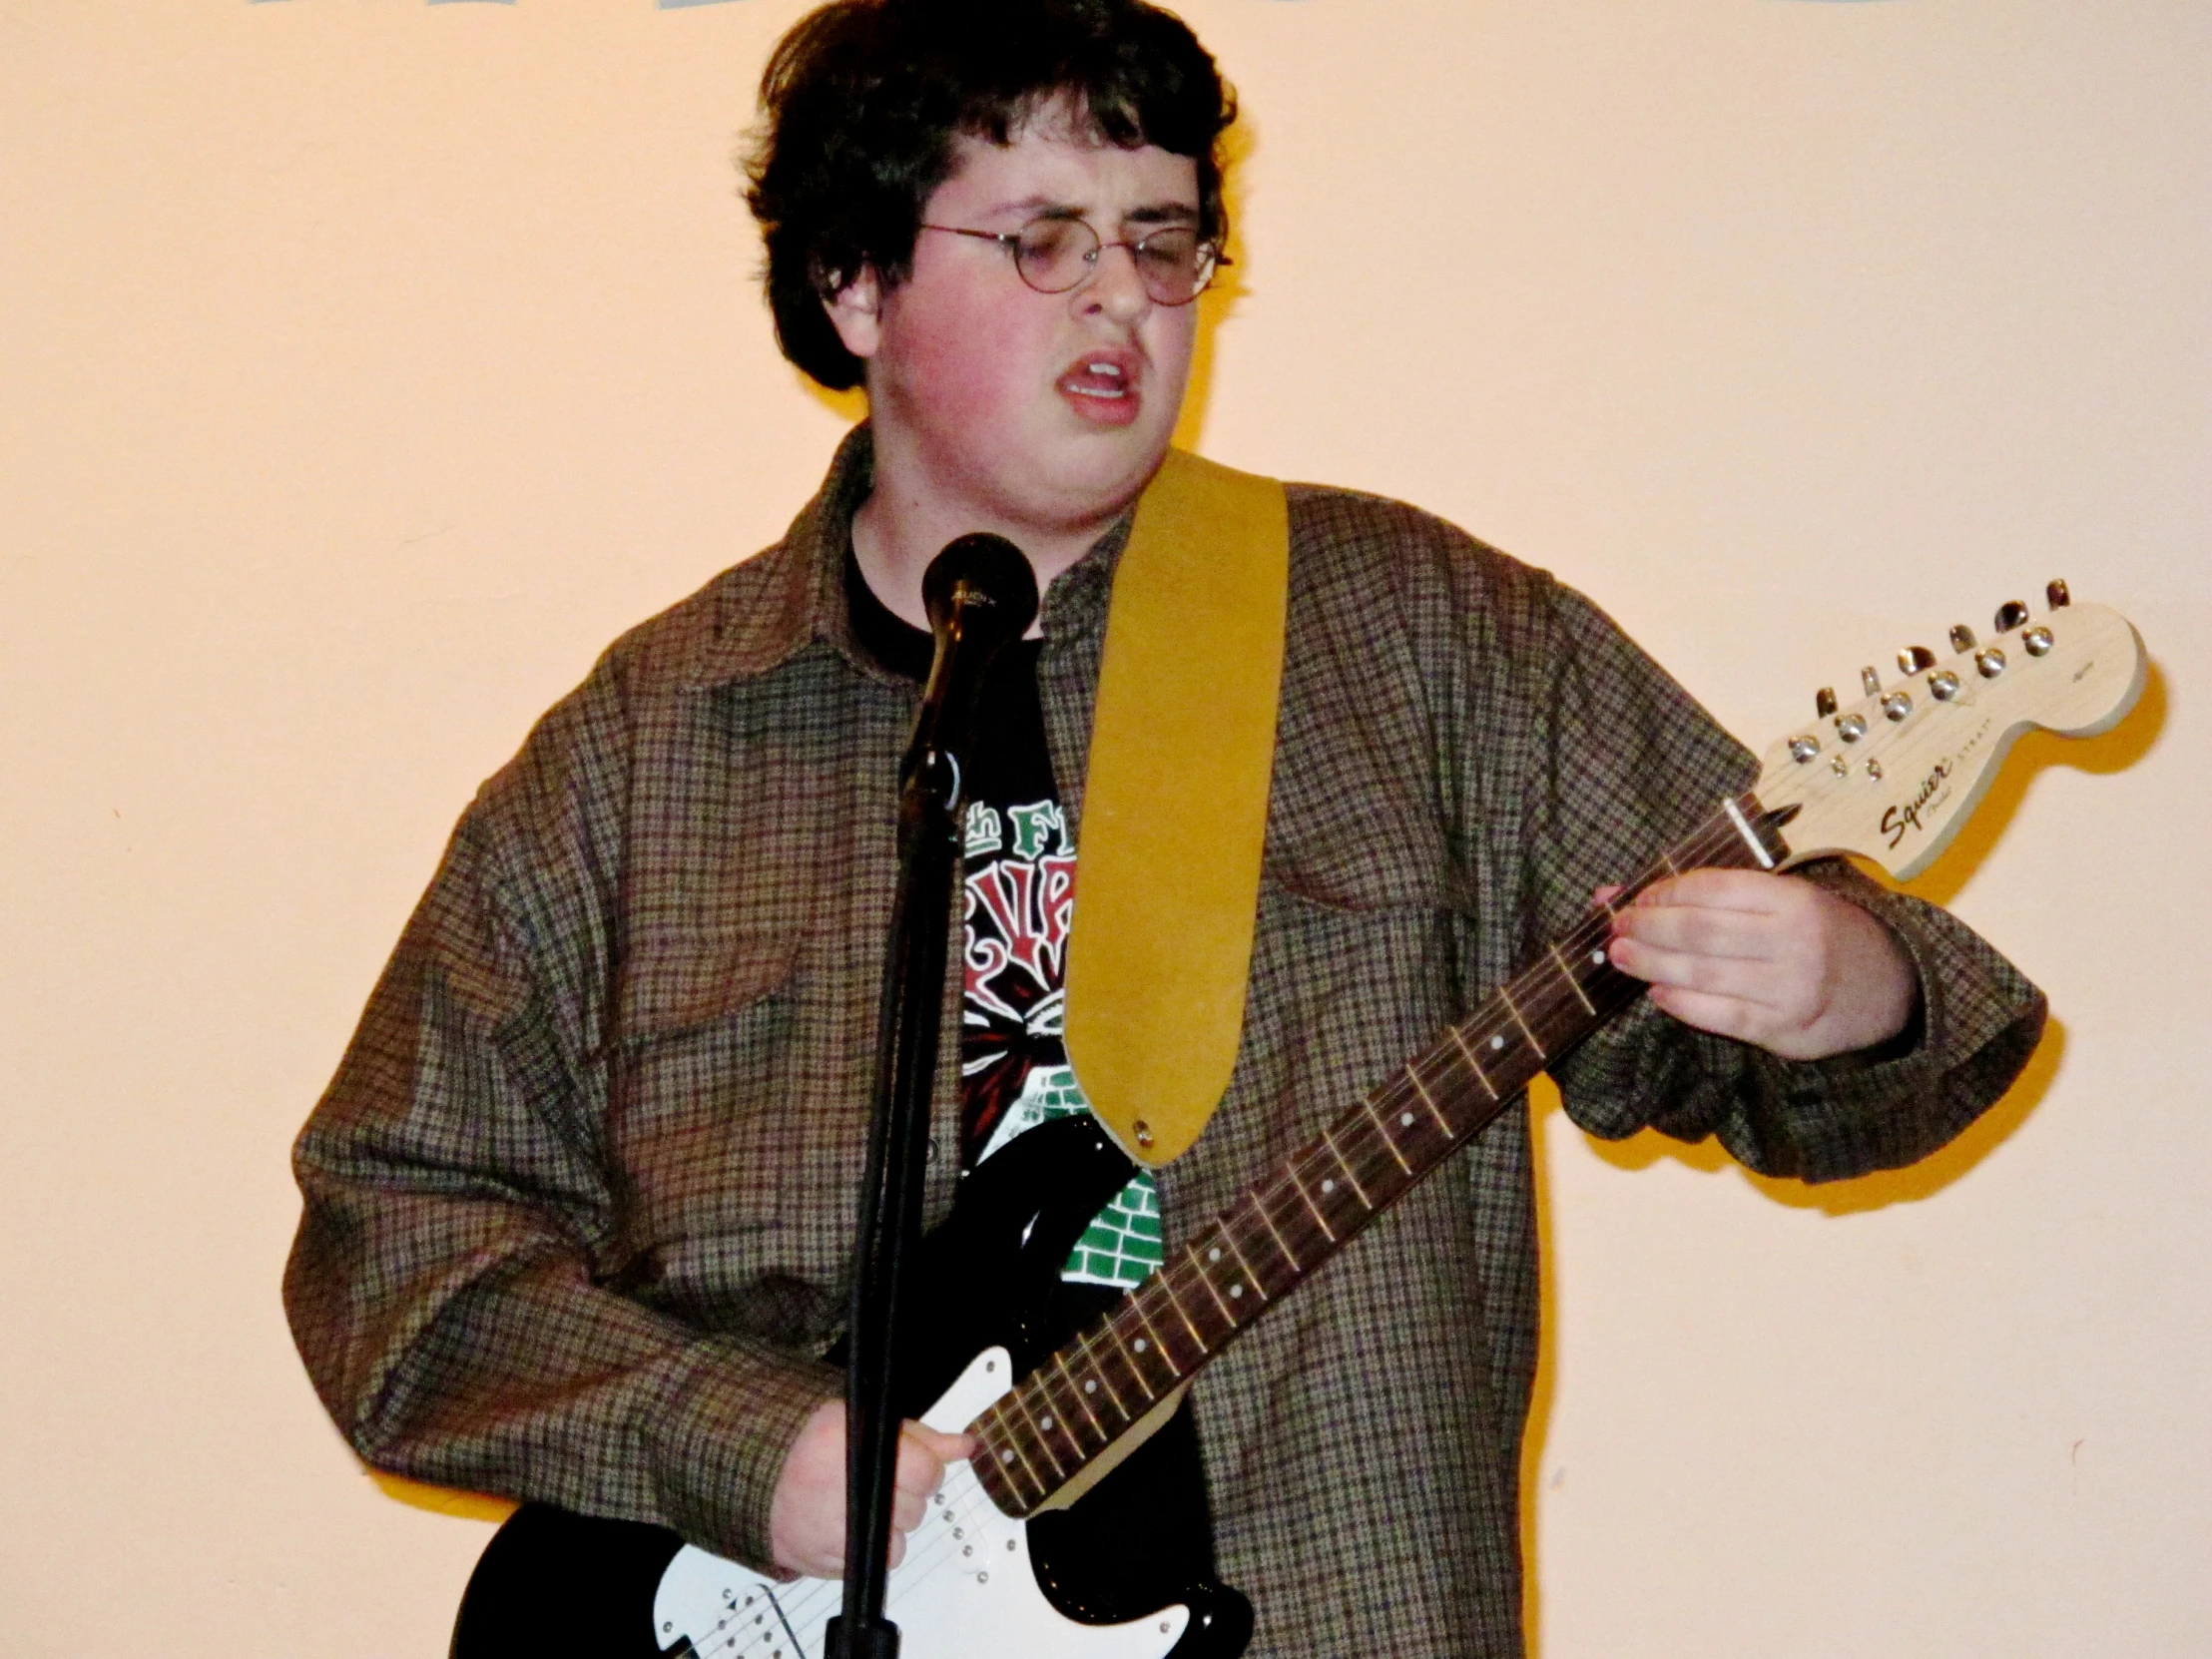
x,y
1015,408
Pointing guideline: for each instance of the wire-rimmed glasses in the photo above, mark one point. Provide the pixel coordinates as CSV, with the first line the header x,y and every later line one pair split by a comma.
x,y
1055,255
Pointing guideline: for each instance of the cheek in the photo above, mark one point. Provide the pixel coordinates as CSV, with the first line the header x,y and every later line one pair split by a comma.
x,y
966,365
1173,342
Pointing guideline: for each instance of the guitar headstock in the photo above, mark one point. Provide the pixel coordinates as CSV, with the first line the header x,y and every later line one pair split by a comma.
x,y
1895,774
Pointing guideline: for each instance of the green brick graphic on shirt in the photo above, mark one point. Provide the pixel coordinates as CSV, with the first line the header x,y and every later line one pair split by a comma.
x,y
1122,1244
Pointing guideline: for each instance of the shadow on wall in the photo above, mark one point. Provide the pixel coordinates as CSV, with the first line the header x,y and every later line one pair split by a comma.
x,y
2114,751
416,1495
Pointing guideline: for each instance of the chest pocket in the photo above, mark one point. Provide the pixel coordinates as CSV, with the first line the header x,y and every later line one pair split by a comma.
x,y
698,1071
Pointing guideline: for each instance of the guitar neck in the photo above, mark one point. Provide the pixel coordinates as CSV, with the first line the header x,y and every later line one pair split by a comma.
x,y
1090,1393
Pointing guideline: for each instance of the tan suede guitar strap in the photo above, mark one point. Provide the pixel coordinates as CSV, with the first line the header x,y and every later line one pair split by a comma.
x,y
1175,804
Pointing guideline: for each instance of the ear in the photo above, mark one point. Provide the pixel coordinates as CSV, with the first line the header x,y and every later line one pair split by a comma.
x,y
856,312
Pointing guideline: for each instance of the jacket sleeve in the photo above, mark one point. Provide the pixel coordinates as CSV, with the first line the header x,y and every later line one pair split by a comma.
x,y
452,1288
1625,766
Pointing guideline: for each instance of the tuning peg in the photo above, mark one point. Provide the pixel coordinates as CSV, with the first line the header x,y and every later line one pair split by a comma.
x,y
2056,593
2010,615
1869,680
1823,701
1916,658
1961,637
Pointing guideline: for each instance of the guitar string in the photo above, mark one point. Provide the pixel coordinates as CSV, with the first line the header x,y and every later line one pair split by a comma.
x,y
1557,988
1549,986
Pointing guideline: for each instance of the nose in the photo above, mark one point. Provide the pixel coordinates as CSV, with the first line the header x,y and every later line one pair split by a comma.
x,y
1115,289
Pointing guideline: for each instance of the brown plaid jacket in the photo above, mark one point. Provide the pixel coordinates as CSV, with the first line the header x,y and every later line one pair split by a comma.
x,y
578,1201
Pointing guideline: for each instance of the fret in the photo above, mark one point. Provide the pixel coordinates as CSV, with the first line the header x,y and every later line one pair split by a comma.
x,y
1313,1209
1367,1106
1105,1378
1055,1420
1059,1387
1429,1101
1329,1138
1036,1434
1076,1389
1298,1269
1575,984
1259,1290
1191,1255
1008,1453
1505,995
1149,1343
1468,1054
1167,1287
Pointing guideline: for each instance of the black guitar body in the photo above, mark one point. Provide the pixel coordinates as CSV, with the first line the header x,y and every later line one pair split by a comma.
x,y
556,1583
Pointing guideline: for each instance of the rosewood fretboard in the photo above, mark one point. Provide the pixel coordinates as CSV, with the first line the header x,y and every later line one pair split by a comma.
x,y
1087,1394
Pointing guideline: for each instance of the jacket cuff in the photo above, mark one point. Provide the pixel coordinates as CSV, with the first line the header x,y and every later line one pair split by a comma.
x,y
718,1450
1890,1104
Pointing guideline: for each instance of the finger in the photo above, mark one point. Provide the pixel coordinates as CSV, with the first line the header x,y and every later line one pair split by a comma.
x,y
1696,930
1721,889
907,1508
921,1466
1751,981
1724,1016
948,1449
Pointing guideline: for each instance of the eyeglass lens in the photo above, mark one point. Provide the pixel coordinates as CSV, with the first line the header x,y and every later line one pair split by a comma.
x,y
1054,254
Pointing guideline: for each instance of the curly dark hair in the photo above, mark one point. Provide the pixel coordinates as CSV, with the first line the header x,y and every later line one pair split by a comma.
x,y
862,99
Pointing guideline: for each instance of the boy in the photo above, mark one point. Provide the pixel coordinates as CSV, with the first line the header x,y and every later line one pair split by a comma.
x,y
579,1199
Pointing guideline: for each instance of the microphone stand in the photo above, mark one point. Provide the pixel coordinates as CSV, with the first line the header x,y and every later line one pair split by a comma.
x,y
980,594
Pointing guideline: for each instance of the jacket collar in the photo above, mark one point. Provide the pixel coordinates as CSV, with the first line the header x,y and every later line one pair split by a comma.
x,y
796,601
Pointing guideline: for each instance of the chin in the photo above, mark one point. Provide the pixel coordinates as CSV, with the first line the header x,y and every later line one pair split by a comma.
x,y
1110,475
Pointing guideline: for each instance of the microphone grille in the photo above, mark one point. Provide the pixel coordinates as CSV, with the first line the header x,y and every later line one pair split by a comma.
x,y
1000,589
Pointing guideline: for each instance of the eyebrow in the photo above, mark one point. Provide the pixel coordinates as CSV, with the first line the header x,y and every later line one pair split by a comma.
x,y
1146,213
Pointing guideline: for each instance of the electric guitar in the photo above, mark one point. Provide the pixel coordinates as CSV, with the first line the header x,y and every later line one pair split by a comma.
x,y
1891,777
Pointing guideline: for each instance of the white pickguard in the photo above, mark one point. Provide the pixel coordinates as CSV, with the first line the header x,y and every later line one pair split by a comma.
x,y
967,1589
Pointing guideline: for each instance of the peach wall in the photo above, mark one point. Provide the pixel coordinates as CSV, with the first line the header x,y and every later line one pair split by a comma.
x,y
364,367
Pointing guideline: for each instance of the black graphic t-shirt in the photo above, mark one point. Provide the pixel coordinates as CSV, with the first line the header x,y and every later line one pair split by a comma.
x,y
1019,901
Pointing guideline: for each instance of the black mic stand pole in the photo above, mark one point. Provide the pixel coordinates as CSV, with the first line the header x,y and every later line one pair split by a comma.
x,y
980,594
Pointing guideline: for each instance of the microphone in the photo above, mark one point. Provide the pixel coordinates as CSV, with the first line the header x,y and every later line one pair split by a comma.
x,y
981,596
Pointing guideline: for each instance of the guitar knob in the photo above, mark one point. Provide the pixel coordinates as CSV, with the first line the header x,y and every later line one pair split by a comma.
x,y
1804,748
1896,704
2010,615
1851,728
2056,593
1871,679
1945,685
1823,701
2038,641
1916,658
1989,661
1961,637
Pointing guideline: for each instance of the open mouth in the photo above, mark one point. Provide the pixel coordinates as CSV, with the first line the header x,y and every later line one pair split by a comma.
x,y
1102,386
1097,377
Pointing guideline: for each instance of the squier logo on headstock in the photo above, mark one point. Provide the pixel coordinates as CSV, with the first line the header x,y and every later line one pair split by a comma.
x,y
1894,776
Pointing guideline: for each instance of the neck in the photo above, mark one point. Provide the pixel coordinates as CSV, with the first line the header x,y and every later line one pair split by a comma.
x,y
910,516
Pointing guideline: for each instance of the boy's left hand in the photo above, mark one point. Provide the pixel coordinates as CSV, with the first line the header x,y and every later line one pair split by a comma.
x,y
1768,960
